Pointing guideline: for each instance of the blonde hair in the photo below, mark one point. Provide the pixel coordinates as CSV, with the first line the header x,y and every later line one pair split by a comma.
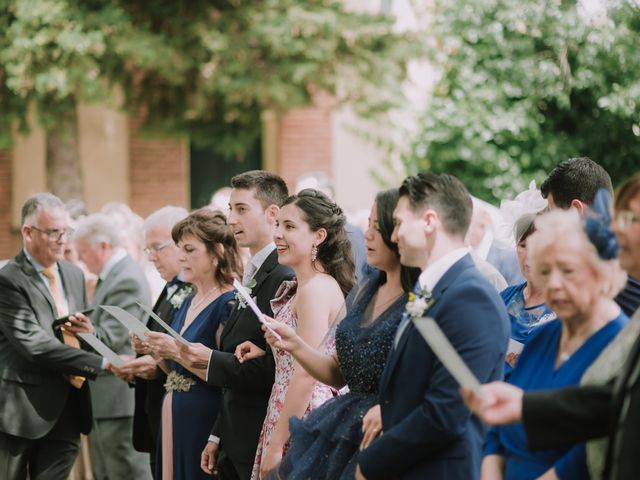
x,y
561,226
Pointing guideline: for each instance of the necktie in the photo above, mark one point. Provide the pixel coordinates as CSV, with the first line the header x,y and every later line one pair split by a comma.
x,y
248,273
61,308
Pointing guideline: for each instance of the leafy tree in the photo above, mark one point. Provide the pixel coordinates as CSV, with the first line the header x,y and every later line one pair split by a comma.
x,y
524,85
202,68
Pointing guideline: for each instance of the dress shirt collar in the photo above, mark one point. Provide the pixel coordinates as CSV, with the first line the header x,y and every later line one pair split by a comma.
x,y
37,265
431,275
118,254
258,259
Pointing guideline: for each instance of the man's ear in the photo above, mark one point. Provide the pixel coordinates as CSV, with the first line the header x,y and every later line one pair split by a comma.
x,y
579,205
272,212
431,219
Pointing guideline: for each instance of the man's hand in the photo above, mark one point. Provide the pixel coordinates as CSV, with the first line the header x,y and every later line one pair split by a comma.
x,y
371,426
359,475
498,403
194,356
144,367
208,459
78,323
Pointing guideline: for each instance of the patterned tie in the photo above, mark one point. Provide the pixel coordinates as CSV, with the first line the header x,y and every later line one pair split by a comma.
x,y
248,273
61,308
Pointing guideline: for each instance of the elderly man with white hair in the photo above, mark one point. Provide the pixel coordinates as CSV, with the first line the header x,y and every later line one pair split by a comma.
x,y
149,379
121,282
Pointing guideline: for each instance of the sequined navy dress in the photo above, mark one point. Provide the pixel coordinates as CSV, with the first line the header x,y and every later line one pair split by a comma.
x,y
325,444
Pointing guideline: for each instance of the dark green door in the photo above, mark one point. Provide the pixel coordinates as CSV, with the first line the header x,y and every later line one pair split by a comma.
x,y
210,170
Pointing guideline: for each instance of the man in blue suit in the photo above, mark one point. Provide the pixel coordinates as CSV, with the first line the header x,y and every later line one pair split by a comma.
x,y
428,432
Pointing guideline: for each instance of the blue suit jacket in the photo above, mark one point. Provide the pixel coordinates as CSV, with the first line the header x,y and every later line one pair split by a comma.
x,y
428,431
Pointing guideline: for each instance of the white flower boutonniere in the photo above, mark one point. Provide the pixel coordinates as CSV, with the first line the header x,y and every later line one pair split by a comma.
x,y
419,303
248,287
180,295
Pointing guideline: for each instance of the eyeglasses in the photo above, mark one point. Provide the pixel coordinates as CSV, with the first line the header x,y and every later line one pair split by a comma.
x,y
156,248
53,233
626,218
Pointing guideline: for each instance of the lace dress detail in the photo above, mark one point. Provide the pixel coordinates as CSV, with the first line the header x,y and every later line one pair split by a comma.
x,y
325,444
282,306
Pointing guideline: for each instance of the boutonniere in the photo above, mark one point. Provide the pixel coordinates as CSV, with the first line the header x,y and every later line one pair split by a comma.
x,y
419,303
180,295
248,287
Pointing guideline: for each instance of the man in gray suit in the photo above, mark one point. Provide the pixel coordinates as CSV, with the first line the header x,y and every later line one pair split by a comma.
x,y
121,282
44,395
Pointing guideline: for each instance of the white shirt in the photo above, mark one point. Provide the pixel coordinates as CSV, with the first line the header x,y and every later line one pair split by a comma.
x,y
259,258
431,275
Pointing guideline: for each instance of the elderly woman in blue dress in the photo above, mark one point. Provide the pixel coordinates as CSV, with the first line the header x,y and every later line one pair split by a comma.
x,y
579,280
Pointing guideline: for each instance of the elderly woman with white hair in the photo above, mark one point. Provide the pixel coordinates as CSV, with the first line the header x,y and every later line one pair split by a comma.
x,y
579,279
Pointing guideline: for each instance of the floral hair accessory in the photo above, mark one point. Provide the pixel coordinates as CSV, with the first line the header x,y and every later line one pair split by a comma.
x,y
597,225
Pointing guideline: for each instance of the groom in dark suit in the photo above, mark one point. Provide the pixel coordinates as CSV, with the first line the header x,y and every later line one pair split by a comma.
x,y
255,202
428,432
44,396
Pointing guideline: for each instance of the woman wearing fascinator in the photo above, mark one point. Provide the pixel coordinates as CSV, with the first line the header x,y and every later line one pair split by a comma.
x,y
325,444
574,264
310,238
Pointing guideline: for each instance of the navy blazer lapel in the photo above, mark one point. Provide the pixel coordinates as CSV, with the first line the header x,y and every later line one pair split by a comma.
x,y
260,276
447,279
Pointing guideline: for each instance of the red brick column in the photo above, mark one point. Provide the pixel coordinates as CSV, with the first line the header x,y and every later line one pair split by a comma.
x,y
305,140
159,172
9,238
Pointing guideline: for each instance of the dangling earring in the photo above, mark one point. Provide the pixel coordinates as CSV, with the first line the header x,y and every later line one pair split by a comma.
x,y
314,253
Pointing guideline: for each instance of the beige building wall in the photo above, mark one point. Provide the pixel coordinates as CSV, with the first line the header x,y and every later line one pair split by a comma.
x,y
104,155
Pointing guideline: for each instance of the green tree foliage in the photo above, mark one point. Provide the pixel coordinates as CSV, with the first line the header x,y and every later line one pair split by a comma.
x,y
524,85
205,68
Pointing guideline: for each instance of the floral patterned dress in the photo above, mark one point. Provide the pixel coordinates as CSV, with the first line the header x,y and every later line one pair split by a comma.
x,y
282,306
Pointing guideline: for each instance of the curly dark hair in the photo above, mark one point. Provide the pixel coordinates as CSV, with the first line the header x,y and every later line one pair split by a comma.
x,y
334,254
211,228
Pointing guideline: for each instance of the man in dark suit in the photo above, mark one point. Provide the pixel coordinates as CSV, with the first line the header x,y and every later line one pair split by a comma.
x,y
143,371
122,283
573,183
43,390
254,203
428,432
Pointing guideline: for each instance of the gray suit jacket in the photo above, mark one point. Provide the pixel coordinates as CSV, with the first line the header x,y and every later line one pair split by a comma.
x,y
34,362
123,286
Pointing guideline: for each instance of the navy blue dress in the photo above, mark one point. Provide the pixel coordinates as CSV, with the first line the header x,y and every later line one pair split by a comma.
x,y
536,370
195,411
325,444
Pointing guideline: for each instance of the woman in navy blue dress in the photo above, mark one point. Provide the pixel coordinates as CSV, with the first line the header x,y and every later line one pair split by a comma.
x,y
209,261
324,445
579,284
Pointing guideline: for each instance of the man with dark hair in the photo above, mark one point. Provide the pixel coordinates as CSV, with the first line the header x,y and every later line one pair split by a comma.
x,y
428,433
254,203
269,189
574,183
43,390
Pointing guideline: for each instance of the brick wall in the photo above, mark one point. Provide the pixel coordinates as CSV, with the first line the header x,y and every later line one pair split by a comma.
x,y
159,172
9,239
305,140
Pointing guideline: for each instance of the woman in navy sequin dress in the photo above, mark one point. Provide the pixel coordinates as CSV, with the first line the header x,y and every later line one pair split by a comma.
x,y
325,444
